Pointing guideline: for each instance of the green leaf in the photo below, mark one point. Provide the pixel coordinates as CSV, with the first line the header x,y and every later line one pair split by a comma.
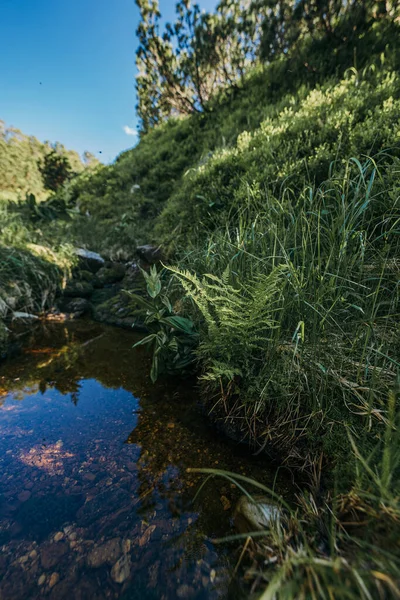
x,y
146,340
154,369
181,324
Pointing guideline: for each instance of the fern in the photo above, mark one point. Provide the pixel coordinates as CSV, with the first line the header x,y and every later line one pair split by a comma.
x,y
238,320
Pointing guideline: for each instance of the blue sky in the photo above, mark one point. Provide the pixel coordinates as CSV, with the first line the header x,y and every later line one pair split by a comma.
x,y
67,70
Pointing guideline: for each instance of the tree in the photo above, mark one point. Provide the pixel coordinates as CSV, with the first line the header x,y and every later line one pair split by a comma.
x,y
89,159
55,170
181,68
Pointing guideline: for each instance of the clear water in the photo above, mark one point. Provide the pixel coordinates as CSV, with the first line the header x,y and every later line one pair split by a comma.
x,y
95,499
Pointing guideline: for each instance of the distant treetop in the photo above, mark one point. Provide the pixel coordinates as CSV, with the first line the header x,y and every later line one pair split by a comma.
x,y
22,159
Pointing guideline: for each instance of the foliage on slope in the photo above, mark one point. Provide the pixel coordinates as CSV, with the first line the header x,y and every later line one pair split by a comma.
x,y
302,144
160,175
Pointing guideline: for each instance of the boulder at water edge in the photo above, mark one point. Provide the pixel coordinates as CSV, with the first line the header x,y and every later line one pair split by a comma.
x,y
255,516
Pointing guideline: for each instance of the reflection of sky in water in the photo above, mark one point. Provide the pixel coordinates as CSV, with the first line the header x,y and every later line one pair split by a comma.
x,y
80,452
64,461
49,423
51,428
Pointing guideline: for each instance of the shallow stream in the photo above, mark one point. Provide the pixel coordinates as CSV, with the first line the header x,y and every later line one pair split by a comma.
x,y
95,499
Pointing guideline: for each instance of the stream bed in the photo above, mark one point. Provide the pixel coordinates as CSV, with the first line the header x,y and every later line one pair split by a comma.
x,y
95,498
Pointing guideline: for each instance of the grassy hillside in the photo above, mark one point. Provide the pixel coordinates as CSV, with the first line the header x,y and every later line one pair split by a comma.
x,y
286,193
158,176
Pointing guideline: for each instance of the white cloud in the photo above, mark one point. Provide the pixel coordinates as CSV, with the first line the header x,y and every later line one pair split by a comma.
x,y
130,130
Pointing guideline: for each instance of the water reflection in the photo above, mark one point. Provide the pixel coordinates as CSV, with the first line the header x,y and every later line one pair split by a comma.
x,y
94,494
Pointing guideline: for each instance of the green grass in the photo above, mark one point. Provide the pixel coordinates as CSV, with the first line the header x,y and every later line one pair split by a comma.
x,y
298,300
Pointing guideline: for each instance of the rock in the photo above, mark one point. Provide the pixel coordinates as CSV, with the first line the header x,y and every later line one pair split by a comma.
x,y
58,536
78,307
150,254
110,273
99,506
132,275
53,580
88,260
85,276
52,554
122,569
33,554
119,311
41,580
78,289
105,554
68,529
145,538
185,591
89,477
23,315
24,559
24,495
255,516
101,295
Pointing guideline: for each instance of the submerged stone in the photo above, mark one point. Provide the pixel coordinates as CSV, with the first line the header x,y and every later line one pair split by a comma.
x,y
105,554
122,569
54,579
24,495
101,505
52,553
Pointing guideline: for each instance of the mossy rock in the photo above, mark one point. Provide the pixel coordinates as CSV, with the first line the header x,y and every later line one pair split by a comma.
x,y
78,307
85,276
119,311
3,339
102,295
111,273
78,289
150,254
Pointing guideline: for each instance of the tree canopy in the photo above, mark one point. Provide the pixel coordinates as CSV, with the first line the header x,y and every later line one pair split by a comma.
x,y
181,66
21,157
